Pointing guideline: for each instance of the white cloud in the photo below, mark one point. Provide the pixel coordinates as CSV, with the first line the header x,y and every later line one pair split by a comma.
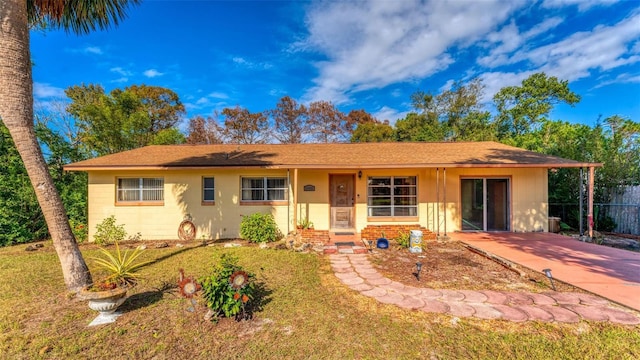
x,y
624,78
603,48
373,44
43,90
218,95
387,113
123,79
151,73
583,5
203,101
92,50
509,39
120,71
575,57
250,64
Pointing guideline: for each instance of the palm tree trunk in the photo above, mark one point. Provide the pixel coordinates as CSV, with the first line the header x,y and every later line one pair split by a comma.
x,y
16,111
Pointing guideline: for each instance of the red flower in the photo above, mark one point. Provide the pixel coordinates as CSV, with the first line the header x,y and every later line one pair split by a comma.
x,y
236,296
245,298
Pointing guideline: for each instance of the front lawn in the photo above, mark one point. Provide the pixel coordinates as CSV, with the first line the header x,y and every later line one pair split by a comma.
x,y
307,314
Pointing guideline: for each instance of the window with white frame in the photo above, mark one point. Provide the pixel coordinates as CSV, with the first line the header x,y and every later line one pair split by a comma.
x,y
208,189
140,190
392,196
264,188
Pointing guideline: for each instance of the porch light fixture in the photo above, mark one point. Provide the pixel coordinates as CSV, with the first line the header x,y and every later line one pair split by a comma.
x,y
418,269
548,273
360,174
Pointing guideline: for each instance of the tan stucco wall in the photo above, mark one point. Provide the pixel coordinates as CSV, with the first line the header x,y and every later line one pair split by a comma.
x,y
528,197
182,195
183,191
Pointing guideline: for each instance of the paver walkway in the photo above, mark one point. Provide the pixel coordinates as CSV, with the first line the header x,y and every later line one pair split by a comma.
x,y
355,271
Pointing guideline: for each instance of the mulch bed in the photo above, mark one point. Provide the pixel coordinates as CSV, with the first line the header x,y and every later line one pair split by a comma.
x,y
450,265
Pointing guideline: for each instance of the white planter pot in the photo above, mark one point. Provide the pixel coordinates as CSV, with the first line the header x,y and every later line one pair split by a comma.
x,y
106,302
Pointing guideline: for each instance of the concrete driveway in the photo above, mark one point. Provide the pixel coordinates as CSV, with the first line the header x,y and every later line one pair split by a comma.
x,y
608,272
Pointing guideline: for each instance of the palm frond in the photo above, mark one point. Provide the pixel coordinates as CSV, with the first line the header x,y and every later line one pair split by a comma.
x,y
78,16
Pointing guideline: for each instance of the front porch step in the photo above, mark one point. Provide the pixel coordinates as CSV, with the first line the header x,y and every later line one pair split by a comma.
x,y
333,249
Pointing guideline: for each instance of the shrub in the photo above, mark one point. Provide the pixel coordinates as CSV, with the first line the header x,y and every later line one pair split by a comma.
x,y
107,232
228,289
259,227
403,239
606,224
79,230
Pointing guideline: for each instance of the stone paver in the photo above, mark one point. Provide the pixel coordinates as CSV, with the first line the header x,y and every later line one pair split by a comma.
x,y
565,298
485,311
356,272
511,313
542,299
390,298
457,308
411,302
352,281
561,314
536,313
473,296
435,306
374,292
495,297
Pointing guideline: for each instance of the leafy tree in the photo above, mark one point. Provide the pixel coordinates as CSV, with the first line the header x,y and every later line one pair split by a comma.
x,y
327,123
162,105
170,136
373,132
244,127
455,114
290,121
203,131
16,104
21,219
124,119
521,107
419,127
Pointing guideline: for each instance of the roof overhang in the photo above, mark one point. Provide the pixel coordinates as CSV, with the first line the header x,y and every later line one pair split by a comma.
x,y
333,166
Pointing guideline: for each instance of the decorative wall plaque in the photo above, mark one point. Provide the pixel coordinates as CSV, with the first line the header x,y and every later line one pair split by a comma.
x,y
309,188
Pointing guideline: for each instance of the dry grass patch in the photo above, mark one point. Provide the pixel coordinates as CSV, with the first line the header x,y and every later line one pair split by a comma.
x,y
307,314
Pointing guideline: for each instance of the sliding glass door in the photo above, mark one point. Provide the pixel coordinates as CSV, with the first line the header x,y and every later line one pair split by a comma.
x,y
485,204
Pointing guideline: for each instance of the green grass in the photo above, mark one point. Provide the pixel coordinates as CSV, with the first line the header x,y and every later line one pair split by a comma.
x,y
307,314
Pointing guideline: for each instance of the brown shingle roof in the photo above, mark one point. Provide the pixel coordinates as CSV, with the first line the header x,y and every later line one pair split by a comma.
x,y
327,156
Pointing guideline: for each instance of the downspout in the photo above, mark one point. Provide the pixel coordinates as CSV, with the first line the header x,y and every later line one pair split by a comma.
x,y
590,219
289,202
581,202
444,200
438,199
433,215
295,199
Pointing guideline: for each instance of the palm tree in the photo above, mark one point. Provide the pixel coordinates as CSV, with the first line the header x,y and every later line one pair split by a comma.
x,y
16,103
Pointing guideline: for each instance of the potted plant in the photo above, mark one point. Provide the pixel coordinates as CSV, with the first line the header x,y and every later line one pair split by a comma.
x,y
122,274
305,224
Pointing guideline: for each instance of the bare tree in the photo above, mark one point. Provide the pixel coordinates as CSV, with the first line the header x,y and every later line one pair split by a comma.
x,y
290,121
203,131
326,122
244,127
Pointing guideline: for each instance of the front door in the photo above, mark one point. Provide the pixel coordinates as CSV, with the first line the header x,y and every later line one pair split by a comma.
x,y
342,201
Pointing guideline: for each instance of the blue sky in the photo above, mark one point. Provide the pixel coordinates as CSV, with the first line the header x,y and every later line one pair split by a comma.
x,y
368,55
